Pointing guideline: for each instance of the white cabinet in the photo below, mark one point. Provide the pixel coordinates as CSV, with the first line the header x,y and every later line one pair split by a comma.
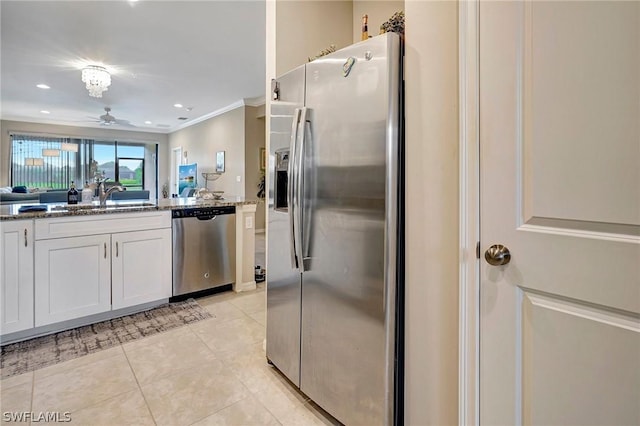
x,y
16,275
73,278
82,270
141,267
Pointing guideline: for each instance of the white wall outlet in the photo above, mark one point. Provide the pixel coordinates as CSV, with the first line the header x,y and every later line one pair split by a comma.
x,y
248,222
238,178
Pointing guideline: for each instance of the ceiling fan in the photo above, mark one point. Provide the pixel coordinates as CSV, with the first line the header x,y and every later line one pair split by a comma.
x,y
107,119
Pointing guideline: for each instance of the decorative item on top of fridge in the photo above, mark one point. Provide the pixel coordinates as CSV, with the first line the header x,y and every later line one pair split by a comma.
x,y
395,24
324,52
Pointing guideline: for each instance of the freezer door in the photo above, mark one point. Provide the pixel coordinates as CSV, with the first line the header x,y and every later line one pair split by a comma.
x,y
348,299
283,278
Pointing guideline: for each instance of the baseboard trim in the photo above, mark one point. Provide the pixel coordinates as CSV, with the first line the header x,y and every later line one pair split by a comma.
x,y
44,330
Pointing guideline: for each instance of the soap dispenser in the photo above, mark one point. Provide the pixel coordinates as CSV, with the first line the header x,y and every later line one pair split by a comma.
x,y
87,193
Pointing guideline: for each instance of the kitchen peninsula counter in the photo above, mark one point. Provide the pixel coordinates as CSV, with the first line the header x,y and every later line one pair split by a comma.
x,y
81,264
11,211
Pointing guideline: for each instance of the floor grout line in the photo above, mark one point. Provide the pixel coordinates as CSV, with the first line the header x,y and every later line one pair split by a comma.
x,y
153,418
33,392
226,406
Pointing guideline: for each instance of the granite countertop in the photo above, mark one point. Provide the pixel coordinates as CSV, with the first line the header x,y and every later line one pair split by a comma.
x,y
10,211
185,203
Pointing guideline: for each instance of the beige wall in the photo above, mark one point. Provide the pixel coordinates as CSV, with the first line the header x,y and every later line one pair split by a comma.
x,y
7,127
225,132
304,28
377,11
431,114
254,140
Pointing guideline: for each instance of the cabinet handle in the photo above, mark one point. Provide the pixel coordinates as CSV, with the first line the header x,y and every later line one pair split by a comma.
x,y
116,249
25,237
105,250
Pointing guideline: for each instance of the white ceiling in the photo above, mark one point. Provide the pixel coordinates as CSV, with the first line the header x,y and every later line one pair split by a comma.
x,y
202,54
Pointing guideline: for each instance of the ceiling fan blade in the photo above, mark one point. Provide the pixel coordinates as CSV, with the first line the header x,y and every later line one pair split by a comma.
x,y
123,123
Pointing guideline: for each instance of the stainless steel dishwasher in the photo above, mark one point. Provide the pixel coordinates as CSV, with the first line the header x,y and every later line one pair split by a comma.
x,y
204,248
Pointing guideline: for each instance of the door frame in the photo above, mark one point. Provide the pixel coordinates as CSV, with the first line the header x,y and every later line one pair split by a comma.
x,y
469,213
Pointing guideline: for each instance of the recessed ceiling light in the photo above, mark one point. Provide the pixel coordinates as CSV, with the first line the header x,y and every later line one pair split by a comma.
x,y
42,86
147,122
177,105
45,112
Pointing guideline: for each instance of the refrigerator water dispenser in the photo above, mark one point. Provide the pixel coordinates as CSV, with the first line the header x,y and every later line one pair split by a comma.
x,y
281,180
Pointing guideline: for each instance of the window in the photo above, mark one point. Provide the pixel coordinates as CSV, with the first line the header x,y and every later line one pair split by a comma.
x,y
43,162
130,166
52,163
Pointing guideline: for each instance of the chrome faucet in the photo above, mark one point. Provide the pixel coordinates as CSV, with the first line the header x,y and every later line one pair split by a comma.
x,y
103,195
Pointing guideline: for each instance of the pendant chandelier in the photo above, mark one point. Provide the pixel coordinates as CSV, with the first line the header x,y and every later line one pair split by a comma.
x,y
97,80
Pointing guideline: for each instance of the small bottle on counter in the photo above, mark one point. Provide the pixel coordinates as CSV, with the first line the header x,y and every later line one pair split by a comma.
x,y
365,27
72,194
87,193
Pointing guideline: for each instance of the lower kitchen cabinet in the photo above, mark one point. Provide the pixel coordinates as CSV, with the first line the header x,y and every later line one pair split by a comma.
x,y
72,278
16,276
141,267
54,270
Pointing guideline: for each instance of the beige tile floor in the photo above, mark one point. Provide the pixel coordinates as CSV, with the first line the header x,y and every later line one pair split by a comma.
x,y
213,372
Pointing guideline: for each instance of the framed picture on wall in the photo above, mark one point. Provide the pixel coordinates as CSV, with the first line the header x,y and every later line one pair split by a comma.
x,y
263,159
220,162
188,174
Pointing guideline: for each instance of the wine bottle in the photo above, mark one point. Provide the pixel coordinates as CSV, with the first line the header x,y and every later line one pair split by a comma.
x,y
365,27
72,194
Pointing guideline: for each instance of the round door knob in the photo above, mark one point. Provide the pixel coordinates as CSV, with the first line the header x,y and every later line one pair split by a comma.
x,y
497,255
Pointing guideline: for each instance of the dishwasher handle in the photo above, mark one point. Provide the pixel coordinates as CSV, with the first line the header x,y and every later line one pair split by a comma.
x,y
207,217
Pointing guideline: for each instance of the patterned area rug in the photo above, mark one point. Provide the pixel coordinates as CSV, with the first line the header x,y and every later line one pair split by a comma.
x,y
29,355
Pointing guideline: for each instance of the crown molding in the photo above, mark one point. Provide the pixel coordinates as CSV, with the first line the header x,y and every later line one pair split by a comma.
x,y
254,102
205,117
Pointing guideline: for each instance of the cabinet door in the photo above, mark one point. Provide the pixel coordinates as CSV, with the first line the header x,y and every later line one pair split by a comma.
x,y
141,267
73,278
16,286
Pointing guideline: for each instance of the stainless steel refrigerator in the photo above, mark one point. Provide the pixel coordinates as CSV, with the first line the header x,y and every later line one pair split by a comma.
x,y
333,263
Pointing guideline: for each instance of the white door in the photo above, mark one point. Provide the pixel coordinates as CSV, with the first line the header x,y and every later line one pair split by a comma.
x,y
176,161
72,278
560,188
16,276
141,267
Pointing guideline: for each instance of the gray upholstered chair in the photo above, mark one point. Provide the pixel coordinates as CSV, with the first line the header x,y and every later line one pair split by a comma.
x,y
53,197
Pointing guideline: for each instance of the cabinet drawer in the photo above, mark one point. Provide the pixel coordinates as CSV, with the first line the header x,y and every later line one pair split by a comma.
x,y
73,226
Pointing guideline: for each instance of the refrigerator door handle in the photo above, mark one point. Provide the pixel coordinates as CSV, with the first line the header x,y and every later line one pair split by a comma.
x,y
291,187
300,184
